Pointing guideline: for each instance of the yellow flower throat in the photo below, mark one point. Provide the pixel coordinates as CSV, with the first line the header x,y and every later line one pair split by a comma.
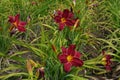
x,y
69,58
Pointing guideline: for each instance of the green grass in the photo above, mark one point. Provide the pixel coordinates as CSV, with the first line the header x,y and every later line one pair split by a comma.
x,y
99,29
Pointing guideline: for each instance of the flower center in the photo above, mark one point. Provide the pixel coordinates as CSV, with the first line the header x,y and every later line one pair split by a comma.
x,y
15,24
69,58
63,20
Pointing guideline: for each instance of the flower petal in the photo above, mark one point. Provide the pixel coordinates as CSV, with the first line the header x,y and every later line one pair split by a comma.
x,y
67,67
21,28
108,57
64,50
65,13
62,58
17,18
11,19
71,15
21,23
61,26
57,19
71,50
59,13
108,67
108,63
77,62
77,54
69,22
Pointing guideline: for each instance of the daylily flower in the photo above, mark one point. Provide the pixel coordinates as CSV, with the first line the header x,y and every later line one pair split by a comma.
x,y
16,23
40,72
70,57
106,61
65,18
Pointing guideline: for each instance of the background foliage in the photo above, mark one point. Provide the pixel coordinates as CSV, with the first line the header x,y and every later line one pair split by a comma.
x,y
99,30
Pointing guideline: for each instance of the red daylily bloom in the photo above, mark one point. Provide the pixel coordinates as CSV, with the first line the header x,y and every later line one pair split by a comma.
x,y
65,18
16,23
106,61
70,57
